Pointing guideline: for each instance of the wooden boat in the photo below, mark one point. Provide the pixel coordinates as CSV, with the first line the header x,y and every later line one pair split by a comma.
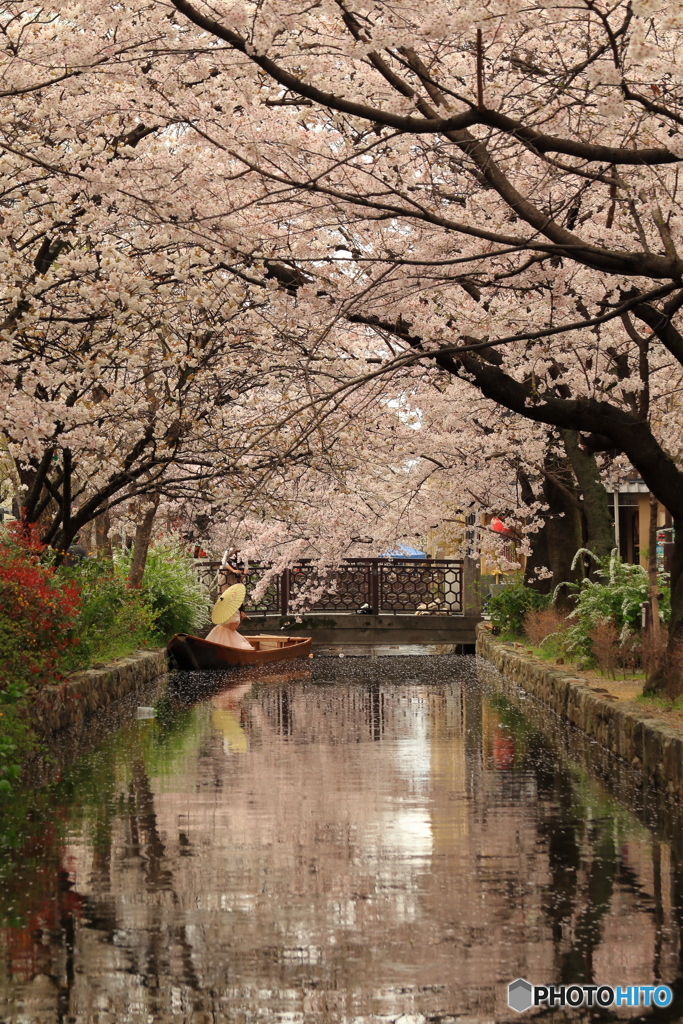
x,y
193,653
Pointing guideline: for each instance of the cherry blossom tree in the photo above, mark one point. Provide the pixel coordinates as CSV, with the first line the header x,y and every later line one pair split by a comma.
x,y
492,189
152,354
340,271
135,360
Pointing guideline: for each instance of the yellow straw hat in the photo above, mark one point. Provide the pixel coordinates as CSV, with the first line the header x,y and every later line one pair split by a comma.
x,y
228,603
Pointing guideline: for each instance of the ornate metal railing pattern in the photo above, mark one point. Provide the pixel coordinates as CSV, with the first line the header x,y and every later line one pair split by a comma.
x,y
376,585
408,586
347,588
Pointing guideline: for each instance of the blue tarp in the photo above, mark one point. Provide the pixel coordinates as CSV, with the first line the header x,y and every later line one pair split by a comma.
x,y
403,551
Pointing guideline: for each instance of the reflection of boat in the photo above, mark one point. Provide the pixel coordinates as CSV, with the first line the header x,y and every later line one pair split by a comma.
x,y
235,740
191,652
188,687
227,718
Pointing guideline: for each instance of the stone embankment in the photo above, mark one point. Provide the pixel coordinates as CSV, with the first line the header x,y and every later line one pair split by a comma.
x,y
84,694
622,727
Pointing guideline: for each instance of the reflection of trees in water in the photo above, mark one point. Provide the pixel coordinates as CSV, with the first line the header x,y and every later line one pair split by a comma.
x,y
579,906
284,718
49,947
39,906
132,909
376,709
329,715
57,928
149,919
147,847
589,869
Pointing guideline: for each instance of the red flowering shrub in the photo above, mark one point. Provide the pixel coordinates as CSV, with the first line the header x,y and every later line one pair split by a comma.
x,y
37,615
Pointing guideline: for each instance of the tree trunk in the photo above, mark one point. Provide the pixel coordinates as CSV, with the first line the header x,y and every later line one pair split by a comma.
x,y
631,436
676,623
563,529
595,505
668,678
63,541
43,512
656,677
652,572
656,669
90,538
102,541
539,557
143,534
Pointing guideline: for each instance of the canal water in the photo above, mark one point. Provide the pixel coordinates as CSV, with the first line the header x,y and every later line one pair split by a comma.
x,y
358,840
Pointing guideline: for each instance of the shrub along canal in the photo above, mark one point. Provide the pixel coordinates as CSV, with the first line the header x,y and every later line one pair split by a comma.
x,y
346,840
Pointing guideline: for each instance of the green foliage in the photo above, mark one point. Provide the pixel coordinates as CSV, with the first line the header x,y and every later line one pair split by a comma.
x,y
11,641
510,605
113,620
171,587
616,594
15,738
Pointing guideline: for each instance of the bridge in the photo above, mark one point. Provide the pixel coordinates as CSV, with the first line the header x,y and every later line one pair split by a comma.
x,y
365,600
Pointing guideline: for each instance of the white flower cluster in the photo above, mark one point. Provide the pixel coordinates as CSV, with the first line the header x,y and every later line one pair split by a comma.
x,y
611,106
645,8
603,73
675,145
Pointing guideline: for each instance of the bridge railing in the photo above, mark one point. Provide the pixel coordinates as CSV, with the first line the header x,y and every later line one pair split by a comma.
x,y
377,585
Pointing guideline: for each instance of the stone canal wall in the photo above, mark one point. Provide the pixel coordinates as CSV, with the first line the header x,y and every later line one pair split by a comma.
x,y
621,727
86,693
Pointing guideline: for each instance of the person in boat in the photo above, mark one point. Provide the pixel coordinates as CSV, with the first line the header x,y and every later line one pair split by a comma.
x,y
228,616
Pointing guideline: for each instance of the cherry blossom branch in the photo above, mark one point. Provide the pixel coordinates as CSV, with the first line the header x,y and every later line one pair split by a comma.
x,y
458,122
443,354
609,260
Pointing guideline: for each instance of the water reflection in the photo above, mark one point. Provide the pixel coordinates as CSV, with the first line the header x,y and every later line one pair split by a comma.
x,y
378,840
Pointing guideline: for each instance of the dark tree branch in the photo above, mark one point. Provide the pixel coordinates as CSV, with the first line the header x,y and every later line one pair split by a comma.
x,y
427,125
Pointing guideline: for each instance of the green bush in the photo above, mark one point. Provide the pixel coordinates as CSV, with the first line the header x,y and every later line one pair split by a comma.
x,y
113,620
15,738
176,596
616,595
509,607
54,620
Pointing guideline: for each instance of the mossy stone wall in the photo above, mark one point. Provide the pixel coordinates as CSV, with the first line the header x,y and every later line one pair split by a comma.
x,y
83,694
622,727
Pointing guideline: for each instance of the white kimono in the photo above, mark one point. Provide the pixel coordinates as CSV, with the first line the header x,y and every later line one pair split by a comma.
x,y
229,637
